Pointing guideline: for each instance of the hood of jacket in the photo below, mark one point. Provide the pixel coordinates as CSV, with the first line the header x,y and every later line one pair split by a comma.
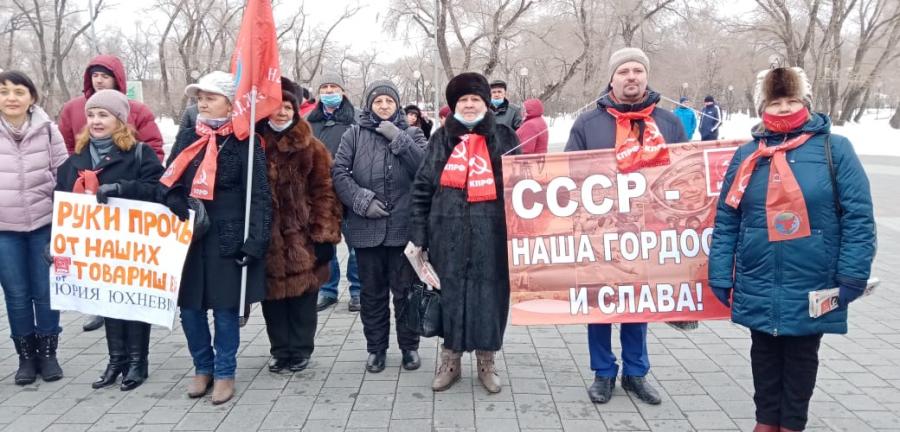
x,y
110,62
606,101
345,114
533,108
818,123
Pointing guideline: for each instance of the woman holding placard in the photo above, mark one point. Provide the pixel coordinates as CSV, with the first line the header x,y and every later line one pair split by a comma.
x,y
209,162
110,162
31,151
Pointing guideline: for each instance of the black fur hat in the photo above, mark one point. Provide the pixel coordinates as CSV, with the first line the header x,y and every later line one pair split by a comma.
x,y
289,91
782,82
467,83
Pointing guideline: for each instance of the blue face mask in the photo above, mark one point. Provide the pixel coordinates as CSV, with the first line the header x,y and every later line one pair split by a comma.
x,y
331,100
497,102
468,124
213,123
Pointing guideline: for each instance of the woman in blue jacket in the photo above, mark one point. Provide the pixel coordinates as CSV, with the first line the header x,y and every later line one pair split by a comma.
x,y
785,228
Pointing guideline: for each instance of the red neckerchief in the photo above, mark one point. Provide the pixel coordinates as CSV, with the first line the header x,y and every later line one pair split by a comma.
x,y
87,182
469,167
786,214
632,152
204,183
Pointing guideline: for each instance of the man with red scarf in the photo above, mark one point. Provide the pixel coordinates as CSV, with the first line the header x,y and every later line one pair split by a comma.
x,y
627,120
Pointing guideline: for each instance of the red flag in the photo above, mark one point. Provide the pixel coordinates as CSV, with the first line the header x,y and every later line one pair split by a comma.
x,y
255,66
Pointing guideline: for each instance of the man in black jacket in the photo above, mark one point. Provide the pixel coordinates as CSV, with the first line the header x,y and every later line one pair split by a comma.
x,y
332,116
596,129
504,112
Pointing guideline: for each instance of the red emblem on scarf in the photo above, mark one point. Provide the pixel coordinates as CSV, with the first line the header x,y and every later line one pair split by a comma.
x,y
785,207
204,184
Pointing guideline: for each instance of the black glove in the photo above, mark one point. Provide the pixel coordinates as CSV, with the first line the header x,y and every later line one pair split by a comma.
x,y
243,260
47,255
176,200
376,210
105,191
324,252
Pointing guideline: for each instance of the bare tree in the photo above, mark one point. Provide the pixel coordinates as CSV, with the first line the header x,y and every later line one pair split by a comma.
x,y
782,22
632,14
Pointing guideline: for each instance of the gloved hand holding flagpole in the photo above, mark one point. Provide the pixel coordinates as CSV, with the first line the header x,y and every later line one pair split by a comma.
x,y
256,69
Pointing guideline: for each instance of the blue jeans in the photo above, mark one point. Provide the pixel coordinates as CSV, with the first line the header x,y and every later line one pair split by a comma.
x,y
330,289
25,277
635,361
219,357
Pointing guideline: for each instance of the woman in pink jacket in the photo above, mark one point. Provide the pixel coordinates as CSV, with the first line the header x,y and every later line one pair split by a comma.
x,y
31,149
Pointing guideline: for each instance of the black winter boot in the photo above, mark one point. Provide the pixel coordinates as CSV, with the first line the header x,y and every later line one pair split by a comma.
x,y
138,346
27,372
118,357
46,358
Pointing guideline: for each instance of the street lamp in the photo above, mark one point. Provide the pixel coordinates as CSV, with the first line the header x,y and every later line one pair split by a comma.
x,y
524,74
417,76
684,88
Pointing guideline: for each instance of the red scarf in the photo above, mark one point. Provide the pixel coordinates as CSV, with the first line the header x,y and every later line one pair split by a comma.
x,y
785,207
786,123
632,152
204,184
87,182
469,167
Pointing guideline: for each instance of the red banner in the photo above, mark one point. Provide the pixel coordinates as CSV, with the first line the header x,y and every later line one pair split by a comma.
x,y
587,244
255,67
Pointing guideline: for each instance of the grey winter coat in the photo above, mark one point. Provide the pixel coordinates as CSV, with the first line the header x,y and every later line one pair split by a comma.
x,y
368,166
508,114
466,241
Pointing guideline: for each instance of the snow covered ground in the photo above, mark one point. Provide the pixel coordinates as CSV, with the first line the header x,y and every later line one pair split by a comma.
x,y
872,136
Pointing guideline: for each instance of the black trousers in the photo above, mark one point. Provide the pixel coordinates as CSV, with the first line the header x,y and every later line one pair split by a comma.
x,y
784,376
291,325
384,271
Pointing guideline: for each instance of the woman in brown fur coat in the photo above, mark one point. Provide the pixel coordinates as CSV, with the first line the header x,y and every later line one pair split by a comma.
x,y
305,227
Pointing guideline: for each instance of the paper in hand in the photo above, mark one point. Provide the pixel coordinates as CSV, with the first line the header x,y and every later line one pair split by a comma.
x,y
419,260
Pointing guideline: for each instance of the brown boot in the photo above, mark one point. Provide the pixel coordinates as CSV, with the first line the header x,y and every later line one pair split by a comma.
x,y
223,391
760,427
448,371
199,386
487,374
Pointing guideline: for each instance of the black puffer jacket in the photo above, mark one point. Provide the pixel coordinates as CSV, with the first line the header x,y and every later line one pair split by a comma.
x,y
466,241
368,166
330,128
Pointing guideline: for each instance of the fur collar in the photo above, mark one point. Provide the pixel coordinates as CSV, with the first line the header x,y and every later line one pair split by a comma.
x,y
456,129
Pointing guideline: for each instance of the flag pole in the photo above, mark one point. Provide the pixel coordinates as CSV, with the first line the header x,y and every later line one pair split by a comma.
x,y
250,158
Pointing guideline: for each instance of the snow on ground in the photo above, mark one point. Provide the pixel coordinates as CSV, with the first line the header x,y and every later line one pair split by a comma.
x,y
873,136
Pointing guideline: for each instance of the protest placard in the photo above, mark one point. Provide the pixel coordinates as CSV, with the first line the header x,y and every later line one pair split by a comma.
x,y
589,244
121,260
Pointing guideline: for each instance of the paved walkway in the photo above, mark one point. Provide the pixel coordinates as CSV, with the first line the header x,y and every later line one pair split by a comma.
x,y
704,376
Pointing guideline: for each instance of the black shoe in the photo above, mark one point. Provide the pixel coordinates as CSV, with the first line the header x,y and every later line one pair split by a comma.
x,y
411,360
92,322
324,303
354,305
641,388
26,348
299,364
138,347
601,390
375,363
278,365
46,358
118,354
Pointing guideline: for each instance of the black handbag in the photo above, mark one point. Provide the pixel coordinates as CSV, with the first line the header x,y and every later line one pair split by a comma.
x,y
423,310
